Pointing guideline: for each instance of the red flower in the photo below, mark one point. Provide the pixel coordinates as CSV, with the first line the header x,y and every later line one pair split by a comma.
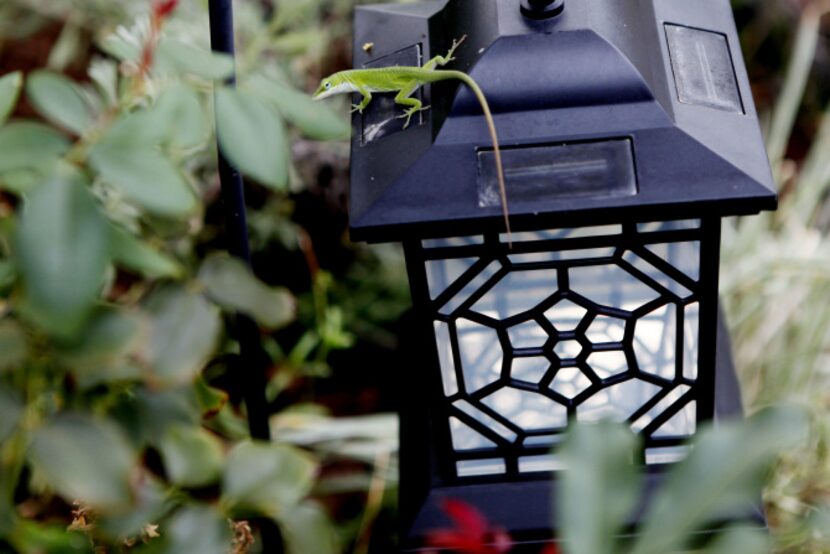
x,y
163,8
471,532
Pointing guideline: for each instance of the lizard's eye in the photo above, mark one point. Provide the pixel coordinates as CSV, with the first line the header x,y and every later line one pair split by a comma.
x,y
328,85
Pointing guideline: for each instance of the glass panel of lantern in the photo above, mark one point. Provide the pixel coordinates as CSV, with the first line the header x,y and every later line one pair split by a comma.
x,y
567,324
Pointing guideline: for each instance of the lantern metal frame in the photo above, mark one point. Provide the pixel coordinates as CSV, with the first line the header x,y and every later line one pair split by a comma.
x,y
428,458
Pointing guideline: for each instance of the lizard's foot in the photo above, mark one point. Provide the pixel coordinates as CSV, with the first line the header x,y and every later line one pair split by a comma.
x,y
409,113
356,108
456,42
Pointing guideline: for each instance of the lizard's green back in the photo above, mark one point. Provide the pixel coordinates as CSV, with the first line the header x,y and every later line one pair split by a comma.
x,y
392,79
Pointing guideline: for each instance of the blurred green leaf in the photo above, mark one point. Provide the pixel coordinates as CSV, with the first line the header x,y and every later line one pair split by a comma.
x,y
153,501
85,459
742,540
104,74
34,537
8,273
21,181
197,530
314,119
819,524
28,145
62,249
102,353
333,332
307,529
13,349
135,254
211,400
192,456
120,46
600,487
57,99
67,48
145,177
180,110
146,414
252,136
11,408
135,130
297,43
723,474
185,330
266,478
231,284
178,56
10,85
789,100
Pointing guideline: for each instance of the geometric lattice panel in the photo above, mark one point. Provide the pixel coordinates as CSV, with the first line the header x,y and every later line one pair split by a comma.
x,y
586,323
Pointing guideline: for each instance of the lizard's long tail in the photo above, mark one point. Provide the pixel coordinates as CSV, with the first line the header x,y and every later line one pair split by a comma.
x,y
467,80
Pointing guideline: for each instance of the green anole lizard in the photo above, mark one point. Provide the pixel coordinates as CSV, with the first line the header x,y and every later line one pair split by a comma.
x,y
405,80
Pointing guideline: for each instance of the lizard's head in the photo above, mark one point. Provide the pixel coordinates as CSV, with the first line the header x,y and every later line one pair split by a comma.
x,y
334,84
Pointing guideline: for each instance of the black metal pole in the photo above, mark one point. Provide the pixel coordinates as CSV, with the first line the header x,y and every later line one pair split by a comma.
x,y
236,229
252,358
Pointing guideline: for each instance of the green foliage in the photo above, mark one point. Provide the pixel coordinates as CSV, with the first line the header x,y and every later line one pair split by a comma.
x,y
231,284
30,537
61,247
721,478
12,409
26,145
314,119
192,456
144,176
308,529
601,486
129,252
775,279
12,346
197,530
179,57
114,340
253,137
266,478
58,100
9,90
80,457
177,350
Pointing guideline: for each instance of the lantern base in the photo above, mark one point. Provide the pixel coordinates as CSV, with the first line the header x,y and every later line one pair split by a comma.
x,y
525,508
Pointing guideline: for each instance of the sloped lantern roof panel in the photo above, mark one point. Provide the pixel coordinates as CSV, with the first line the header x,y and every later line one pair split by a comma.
x,y
599,119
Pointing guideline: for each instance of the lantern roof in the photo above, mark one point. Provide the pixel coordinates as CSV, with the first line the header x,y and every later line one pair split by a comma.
x,y
611,111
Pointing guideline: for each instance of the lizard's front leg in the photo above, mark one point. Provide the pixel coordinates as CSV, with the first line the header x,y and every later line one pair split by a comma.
x,y
367,97
441,61
404,99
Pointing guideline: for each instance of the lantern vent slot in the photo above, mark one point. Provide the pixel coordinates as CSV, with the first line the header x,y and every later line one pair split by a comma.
x,y
666,455
601,169
661,226
472,468
534,464
703,71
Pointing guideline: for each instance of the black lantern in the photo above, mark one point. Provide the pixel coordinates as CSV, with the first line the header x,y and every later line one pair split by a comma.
x,y
628,131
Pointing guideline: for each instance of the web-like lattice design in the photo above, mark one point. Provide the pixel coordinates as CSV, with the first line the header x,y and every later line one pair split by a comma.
x,y
583,323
